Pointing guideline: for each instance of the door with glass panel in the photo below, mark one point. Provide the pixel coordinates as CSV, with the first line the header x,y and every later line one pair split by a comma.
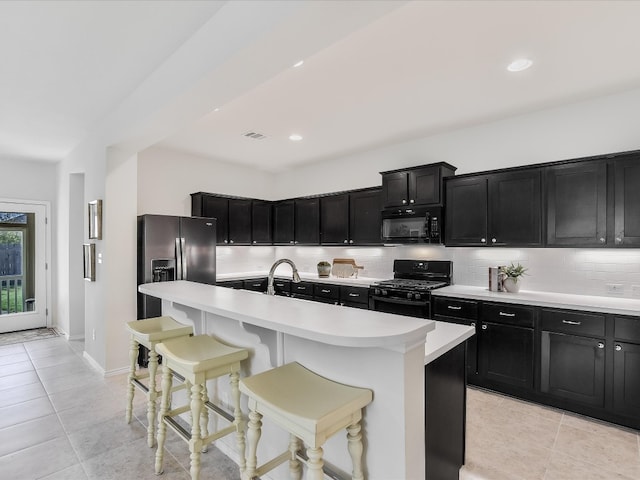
x,y
23,292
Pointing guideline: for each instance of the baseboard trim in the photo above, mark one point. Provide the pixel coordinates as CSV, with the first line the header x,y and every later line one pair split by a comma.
x,y
95,365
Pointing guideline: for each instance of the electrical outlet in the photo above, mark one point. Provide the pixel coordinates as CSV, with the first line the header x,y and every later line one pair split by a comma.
x,y
93,334
635,290
615,288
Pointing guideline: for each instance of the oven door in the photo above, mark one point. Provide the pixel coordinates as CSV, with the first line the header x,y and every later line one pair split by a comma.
x,y
400,306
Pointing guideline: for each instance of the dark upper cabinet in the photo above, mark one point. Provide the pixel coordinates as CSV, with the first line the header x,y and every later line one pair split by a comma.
x,y
205,205
466,211
627,202
334,219
502,209
415,186
576,204
261,223
283,222
515,208
365,219
351,218
307,221
239,221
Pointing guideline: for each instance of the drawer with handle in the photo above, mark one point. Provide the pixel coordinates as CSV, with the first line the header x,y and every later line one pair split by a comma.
x,y
508,314
325,290
350,295
257,285
453,307
302,288
578,323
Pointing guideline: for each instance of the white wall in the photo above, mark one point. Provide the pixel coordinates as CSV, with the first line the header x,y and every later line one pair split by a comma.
x,y
166,178
603,125
23,179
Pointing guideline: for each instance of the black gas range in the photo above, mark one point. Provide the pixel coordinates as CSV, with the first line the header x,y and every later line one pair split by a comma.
x,y
409,292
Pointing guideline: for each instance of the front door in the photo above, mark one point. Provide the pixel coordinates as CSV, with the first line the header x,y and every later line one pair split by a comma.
x,y
23,278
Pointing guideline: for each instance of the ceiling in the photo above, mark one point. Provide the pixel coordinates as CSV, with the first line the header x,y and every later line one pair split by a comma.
x,y
421,68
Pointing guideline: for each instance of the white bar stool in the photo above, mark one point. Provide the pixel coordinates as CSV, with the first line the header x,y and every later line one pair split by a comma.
x,y
312,409
198,359
149,332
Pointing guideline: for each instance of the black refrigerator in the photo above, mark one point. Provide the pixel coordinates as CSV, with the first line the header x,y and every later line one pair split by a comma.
x,y
174,248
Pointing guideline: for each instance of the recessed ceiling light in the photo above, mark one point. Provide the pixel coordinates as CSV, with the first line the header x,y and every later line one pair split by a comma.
x,y
216,109
298,64
295,137
519,65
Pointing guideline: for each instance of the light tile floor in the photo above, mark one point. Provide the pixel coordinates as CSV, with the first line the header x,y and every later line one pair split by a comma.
x,y
60,420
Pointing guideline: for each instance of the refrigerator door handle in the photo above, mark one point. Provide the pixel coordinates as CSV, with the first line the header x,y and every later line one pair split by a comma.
x,y
178,259
183,252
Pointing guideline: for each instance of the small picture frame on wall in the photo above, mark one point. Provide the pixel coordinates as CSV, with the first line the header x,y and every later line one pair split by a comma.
x,y
89,261
95,220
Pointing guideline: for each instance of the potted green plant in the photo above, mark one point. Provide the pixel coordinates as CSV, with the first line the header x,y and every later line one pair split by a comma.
x,y
324,269
511,274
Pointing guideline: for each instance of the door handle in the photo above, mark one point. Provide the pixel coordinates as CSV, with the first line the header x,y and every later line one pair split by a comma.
x,y
453,307
571,322
504,314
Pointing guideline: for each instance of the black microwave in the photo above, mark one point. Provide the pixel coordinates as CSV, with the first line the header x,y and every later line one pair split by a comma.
x,y
412,225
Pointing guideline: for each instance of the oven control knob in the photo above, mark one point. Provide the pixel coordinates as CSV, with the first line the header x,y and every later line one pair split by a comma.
x,y
383,293
376,291
417,296
409,295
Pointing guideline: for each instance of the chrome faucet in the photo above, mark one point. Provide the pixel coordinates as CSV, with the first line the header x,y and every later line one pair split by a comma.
x,y
296,277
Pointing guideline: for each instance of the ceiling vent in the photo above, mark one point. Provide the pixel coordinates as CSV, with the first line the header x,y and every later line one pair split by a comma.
x,y
255,135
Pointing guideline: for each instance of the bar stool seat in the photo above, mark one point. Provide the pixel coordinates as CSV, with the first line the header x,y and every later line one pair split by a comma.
x,y
198,359
149,332
311,408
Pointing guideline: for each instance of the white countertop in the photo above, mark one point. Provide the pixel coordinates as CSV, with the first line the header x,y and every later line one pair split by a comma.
x,y
613,305
445,337
330,324
309,277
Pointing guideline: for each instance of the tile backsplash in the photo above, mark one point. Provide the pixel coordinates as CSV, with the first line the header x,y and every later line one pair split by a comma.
x,y
562,270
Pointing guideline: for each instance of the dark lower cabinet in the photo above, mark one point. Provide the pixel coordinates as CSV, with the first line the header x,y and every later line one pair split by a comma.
x,y
626,379
572,368
235,284
445,415
506,354
256,285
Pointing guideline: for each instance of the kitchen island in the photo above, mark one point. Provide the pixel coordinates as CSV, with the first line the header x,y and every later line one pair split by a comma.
x,y
379,351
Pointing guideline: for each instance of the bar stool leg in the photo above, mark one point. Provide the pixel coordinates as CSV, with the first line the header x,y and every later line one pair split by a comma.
x,y
204,418
354,444
195,444
253,435
164,409
295,469
153,395
238,422
315,463
133,358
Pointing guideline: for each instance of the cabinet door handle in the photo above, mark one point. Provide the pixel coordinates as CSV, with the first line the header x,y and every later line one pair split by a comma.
x,y
505,314
230,241
301,288
345,241
451,307
255,241
290,241
571,322
483,240
618,348
412,201
226,241
484,327
350,241
325,291
404,202
354,294
602,240
473,324
493,240
600,345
